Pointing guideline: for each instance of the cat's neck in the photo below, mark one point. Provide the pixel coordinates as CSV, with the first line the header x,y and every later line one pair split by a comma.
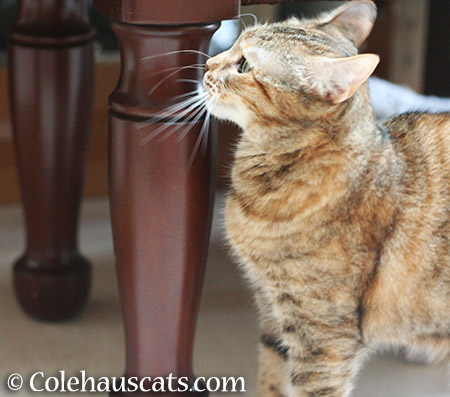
x,y
347,147
350,155
349,124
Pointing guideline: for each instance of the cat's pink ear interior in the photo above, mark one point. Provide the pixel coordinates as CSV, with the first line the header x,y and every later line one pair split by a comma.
x,y
354,19
337,79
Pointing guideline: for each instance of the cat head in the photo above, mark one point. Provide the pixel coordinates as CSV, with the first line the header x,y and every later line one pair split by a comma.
x,y
278,72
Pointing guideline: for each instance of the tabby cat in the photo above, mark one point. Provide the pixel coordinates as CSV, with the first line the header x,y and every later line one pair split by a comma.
x,y
341,225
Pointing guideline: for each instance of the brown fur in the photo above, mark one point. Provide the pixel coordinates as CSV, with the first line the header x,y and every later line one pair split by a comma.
x,y
342,227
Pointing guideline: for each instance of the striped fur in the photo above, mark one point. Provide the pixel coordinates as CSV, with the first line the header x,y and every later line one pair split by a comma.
x,y
341,226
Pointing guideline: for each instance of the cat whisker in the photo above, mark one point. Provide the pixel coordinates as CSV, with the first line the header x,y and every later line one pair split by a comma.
x,y
147,58
178,118
192,116
190,93
160,71
190,81
188,127
194,121
152,90
197,143
248,14
171,110
205,140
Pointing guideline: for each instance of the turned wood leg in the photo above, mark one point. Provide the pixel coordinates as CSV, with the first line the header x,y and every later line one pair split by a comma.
x,y
160,207
51,86
160,203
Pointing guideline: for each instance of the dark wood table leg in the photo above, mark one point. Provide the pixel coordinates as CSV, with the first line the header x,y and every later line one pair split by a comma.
x,y
160,203
160,210
51,85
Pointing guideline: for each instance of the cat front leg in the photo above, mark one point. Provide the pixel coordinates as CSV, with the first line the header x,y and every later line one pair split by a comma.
x,y
324,346
322,364
273,374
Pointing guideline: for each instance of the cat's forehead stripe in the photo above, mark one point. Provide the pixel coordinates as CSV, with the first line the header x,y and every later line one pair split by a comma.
x,y
313,40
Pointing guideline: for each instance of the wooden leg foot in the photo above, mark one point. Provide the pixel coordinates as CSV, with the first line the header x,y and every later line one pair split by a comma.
x,y
52,290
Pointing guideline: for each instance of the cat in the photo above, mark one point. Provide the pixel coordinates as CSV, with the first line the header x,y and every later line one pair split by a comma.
x,y
341,225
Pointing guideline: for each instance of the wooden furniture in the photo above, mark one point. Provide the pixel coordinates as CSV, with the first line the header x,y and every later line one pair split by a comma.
x,y
160,211
51,83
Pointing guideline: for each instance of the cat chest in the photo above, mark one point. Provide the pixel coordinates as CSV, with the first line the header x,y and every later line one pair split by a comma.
x,y
322,238
257,233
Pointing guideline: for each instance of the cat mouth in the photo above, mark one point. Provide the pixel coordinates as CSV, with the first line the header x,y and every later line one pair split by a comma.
x,y
207,86
212,94
212,91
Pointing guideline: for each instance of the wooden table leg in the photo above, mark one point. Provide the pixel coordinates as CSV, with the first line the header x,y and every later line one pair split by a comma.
x,y
160,204
160,209
51,85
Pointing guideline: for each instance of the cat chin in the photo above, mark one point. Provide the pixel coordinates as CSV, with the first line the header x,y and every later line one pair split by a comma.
x,y
230,113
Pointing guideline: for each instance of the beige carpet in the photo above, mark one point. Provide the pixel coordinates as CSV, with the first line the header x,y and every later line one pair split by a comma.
x,y
227,329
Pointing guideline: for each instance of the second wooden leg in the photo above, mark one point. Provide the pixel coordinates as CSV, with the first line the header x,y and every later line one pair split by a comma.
x,y
51,81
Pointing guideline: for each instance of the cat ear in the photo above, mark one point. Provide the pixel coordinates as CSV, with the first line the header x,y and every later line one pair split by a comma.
x,y
337,79
354,19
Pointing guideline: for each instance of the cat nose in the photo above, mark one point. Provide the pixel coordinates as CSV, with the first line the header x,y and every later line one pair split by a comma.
x,y
206,67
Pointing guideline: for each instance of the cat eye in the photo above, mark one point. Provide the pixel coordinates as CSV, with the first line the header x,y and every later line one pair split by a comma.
x,y
244,67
